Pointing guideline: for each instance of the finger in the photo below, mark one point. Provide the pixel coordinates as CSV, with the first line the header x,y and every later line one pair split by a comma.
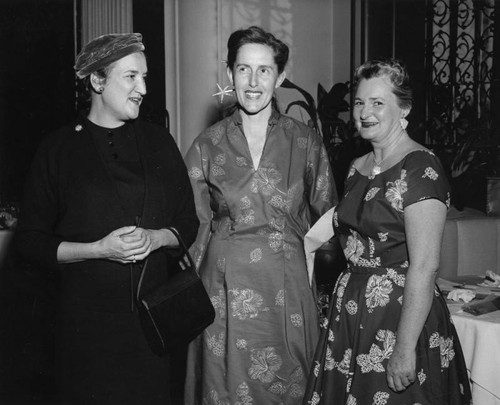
x,y
143,255
405,381
134,238
395,384
125,230
402,383
390,382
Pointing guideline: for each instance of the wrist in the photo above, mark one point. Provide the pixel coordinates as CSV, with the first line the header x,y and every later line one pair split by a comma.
x,y
403,345
96,250
170,239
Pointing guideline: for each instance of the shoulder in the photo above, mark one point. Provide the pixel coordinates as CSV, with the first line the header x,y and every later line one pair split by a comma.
x,y
301,134
290,123
66,136
424,177
154,135
214,133
152,129
421,158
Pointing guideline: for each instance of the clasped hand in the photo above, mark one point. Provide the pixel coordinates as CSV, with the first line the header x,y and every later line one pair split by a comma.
x,y
128,244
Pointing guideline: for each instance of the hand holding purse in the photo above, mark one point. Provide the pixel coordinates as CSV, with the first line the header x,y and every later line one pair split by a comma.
x,y
174,313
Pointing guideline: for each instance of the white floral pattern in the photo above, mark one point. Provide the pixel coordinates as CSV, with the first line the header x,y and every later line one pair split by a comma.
x,y
255,255
354,248
378,290
359,335
373,361
372,193
246,303
255,219
265,364
195,172
431,173
394,193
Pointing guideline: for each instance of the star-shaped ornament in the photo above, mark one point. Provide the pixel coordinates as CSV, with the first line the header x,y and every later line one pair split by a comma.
x,y
226,91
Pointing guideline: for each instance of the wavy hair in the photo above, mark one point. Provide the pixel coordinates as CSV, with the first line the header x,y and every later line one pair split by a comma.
x,y
392,69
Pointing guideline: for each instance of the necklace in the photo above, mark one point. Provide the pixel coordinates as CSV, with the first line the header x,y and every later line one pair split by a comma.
x,y
377,166
376,169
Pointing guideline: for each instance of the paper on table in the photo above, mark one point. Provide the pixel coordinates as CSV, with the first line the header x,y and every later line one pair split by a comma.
x,y
491,279
319,234
469,283
461,294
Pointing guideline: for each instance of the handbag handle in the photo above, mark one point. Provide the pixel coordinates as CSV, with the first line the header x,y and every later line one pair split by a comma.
x,y
185,253
185,256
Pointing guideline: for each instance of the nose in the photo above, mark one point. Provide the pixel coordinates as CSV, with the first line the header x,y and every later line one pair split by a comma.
x,y
365,112
252,80
141,87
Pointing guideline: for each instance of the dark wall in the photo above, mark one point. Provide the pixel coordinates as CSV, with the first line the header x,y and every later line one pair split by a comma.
x,y
36,82
149,21
396,28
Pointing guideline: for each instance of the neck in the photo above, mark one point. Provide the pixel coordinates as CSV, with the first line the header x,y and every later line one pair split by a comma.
x,y
382,152
258,118
103,121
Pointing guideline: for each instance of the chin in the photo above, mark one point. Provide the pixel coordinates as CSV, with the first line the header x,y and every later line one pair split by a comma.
x,y
132,116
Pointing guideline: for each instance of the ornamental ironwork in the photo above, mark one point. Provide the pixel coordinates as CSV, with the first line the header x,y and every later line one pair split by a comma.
x,y
460,66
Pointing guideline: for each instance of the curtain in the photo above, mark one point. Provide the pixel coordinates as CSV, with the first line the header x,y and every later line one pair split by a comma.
x,y
99,17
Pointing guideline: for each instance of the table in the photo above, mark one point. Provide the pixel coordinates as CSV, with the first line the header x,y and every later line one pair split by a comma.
x,y
480,340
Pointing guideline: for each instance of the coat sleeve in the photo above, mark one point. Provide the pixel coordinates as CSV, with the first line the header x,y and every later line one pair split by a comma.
x,y
197,166
35,238
184,219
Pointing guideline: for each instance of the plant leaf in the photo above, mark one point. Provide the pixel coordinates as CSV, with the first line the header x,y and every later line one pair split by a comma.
x,y
309,99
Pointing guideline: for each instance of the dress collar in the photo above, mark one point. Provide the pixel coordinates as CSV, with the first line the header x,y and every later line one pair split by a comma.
x,y
273,119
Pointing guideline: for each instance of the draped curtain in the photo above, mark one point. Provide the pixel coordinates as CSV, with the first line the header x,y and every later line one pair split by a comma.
x,y
100,17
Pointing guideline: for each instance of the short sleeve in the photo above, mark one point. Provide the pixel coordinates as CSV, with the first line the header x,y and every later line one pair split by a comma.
x,y
425,178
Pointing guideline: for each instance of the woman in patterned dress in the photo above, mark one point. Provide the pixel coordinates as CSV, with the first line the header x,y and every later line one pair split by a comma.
x,y
388,338
260,179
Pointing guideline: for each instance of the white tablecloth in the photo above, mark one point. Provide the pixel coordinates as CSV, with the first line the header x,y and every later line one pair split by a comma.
x,y
480,340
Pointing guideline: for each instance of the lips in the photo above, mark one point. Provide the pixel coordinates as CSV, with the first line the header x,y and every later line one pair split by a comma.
x,y
136,100
253,94
368,124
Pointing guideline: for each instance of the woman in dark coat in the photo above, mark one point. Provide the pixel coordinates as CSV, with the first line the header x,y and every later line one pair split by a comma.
x,y
91,184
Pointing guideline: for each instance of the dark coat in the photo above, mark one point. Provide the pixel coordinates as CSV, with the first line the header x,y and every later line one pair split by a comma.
x,y
70,196
101,353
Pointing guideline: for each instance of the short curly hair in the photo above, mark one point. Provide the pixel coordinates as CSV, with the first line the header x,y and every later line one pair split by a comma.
x,y
392,69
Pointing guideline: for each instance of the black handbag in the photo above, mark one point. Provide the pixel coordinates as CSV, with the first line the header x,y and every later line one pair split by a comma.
x,y
175,312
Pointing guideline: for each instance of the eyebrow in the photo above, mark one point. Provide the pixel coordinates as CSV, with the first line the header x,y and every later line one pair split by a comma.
x,y
259,67
133,71
371,98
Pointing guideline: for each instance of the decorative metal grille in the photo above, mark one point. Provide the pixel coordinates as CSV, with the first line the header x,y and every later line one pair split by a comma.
x,y
460,64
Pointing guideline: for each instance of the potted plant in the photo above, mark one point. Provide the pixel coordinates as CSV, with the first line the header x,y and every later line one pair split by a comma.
x,y
341,140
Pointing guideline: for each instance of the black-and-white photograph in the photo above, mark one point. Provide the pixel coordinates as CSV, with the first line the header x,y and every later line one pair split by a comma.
x,y
249,202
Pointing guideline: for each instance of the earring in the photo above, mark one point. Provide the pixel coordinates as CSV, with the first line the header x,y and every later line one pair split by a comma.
x,y
404,122
101,89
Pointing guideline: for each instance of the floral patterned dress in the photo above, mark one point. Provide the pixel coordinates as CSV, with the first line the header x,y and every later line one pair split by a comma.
x,y
359,334
250,255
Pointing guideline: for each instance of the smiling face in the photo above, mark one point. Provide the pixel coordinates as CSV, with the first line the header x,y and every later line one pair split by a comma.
x,y
124,88
376,110
255,77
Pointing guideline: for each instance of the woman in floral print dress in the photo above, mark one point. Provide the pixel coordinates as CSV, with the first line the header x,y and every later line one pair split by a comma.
x,y
388,338
260,179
